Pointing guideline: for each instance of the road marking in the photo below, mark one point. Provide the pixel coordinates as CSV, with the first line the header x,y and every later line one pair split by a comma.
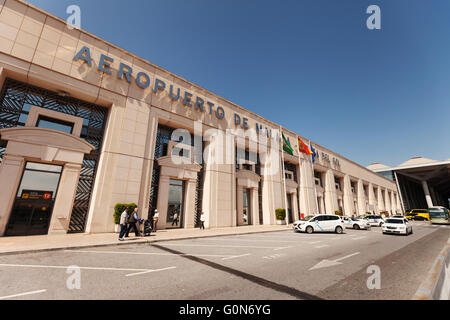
x,y
274,256
329,263
282,248
65,267
150,253
321,246
23,294
239,256
218,246
359,238
314,242
243,239
149,271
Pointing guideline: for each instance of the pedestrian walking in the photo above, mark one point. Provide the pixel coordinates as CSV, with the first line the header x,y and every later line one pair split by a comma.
x,y
123,224
155,220
134,219
175,219
202,221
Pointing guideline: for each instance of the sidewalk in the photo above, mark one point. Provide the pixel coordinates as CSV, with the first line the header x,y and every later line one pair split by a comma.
x,y
15,245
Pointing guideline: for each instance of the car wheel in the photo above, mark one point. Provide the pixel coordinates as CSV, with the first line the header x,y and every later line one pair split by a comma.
x,y
356,227
309,230
338,230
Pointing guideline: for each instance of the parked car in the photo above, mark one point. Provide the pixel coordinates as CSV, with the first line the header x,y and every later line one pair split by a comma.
x,y
322,223
295,224
375,221
355,223
418,214
397,226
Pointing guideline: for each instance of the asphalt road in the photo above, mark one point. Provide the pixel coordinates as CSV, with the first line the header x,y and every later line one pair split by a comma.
x,y
267,266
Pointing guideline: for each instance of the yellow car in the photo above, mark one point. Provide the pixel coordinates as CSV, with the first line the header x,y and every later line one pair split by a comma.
x,y
417,214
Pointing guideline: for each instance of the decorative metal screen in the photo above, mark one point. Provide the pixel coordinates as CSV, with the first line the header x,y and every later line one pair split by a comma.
x,y
163,136
16,99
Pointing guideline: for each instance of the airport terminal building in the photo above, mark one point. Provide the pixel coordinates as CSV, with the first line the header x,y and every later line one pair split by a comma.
x,y
85,125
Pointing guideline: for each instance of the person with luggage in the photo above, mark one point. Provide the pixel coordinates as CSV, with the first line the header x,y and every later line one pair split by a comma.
x,y
134,219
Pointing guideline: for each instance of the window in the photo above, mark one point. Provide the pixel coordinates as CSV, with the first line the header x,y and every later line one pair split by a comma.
x,y
55,124
288,176
247,166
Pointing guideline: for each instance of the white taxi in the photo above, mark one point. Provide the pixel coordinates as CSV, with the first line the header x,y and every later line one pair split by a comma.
x,y
322,223
397,226
355,223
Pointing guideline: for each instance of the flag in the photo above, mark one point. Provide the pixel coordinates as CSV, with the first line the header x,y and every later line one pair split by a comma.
x,y
287,146
314,155
303,148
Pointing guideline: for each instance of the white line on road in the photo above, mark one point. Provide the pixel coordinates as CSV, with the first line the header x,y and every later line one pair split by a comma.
x,y
239,256
151,253
148,271
330,263
322,246
22,294
359,238
245,239
65,267
282,248
217,246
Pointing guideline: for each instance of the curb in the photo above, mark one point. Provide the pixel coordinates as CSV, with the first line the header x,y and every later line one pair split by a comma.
x,y
438,278
131,242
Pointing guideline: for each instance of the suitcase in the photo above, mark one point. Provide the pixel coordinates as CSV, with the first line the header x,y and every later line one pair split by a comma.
x,y
147,228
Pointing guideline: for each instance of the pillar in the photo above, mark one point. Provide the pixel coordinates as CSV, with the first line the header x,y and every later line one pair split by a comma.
x,y
11,170
239,205
163,201
331,203
189,205
380,199
427,194
67,189
254,206
295,211
308,196
348,197
361,198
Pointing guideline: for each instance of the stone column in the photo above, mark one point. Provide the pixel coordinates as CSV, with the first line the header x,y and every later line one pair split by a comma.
x,y
380,200
163,201
372,196
295,211
308,198
331,203
348,197
254,206
189,205
67,189
239,205
427,194
11,170
361,198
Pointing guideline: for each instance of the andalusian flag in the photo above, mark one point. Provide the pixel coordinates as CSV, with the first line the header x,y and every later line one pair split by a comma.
x,y
287,146
303,148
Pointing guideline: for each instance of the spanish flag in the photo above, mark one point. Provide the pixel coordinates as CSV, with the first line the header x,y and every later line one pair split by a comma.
x,y
303,148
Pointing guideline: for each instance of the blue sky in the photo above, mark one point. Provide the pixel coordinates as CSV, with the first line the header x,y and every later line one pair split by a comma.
x,y
311,66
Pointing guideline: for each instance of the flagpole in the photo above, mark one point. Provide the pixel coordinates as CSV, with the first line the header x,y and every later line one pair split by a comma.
x,y
300,176
284,177
315,190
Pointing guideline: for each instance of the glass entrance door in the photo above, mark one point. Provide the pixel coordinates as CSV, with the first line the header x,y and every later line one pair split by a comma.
x,y
175,207
289,204
246,207
32,210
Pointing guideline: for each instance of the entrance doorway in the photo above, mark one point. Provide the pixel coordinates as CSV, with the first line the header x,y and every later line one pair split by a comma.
x,y
175,207
246,209
289,209
32,210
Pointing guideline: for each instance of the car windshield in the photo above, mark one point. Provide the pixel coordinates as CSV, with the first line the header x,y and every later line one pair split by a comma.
x,y
354,219
307,218
398,221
